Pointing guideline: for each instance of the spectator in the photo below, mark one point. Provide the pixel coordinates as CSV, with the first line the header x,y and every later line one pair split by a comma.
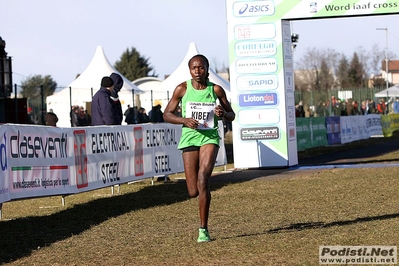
x,y
82,118
156,114
311,110
102,107
381,108
74,115
349,110
331,105
142,116
51,119
321,109
356,108
88,117
31,116
126,113
300,111
118,84
364,108
371,107
337,108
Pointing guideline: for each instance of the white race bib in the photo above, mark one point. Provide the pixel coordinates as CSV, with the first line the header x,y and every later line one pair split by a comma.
x,y
202,112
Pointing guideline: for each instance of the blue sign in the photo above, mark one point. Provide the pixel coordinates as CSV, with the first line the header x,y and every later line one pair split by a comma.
x,y
258,99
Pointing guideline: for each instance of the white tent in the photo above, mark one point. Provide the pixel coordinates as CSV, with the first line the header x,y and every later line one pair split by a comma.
x,y
80,91
390,92
182,74
152,96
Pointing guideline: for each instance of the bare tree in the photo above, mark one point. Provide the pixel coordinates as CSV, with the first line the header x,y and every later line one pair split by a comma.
x,y
307,70
364,59
316,70
376,56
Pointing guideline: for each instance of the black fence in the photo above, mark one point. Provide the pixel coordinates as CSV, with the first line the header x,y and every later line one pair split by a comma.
x,y
311,99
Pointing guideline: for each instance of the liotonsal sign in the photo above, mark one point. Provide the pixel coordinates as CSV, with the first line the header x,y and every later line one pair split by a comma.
x,y
261,72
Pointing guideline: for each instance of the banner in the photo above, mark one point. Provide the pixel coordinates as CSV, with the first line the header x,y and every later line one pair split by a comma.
x,y
262,74
390,124
333,130
41,161
373,125
311,132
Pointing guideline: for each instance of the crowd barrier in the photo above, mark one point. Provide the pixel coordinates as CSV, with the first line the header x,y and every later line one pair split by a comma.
x,y
324,131
41,161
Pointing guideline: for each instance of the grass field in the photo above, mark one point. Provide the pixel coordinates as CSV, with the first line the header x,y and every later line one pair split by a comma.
x,y
280,219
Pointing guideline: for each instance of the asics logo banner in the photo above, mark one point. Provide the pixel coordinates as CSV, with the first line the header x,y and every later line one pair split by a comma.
x,y
258,8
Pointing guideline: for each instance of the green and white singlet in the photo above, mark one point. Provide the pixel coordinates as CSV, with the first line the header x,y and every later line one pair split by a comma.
x,y
200,105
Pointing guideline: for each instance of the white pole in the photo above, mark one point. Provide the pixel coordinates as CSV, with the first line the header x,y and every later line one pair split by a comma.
x,y
386,54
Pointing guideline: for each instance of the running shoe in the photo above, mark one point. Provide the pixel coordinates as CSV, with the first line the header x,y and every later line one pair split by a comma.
x,y
203,235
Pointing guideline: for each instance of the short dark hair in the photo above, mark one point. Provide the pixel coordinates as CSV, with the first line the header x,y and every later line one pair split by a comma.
x,y
200,56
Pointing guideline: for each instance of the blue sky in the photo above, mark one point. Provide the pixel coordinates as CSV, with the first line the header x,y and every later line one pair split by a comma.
x,y
59,38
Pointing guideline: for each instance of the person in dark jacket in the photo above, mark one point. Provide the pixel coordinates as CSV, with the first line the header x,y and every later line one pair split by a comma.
x,y
118,84
102,106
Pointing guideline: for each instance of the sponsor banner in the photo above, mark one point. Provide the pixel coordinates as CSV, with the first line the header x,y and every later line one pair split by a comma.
x,y
255,31
390,124
41,161
330,8
256,65
373,125
355,128
257,82
333,127
311,132
257,99
253,9
4,180
255,48
358,127
260,133
260,45
346,129
259,95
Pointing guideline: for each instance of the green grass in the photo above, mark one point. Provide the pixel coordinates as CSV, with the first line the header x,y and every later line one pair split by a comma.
x,y
281,219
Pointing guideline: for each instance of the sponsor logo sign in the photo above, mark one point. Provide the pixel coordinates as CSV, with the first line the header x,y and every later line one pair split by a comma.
x,y
255,48
258,99
256,82
252,9
259,133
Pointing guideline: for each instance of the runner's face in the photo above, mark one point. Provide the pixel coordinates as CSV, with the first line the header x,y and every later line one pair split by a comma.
x,y
198,69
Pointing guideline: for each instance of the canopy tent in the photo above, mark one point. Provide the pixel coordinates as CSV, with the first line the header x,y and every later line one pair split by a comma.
x,y
151,96
390,92
81,90
182,73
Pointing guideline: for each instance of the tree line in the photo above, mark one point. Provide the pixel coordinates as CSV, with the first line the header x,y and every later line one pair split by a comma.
x,y
326,69
131,64
319,70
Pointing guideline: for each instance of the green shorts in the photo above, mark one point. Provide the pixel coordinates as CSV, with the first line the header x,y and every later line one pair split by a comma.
x,y
192,137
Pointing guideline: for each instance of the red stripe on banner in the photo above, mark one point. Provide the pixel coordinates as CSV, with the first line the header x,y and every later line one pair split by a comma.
x,y
57,167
